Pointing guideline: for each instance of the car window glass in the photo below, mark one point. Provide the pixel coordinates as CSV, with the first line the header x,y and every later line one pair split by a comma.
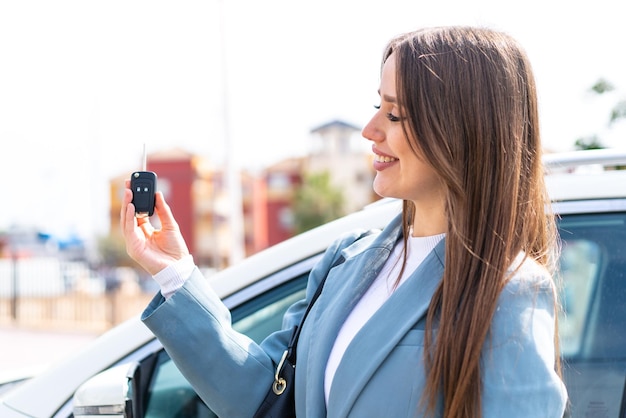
x,y
170,395
267,319
593,292
580,263
593,320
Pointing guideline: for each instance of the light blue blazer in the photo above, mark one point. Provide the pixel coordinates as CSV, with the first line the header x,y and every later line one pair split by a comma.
x,y
382,371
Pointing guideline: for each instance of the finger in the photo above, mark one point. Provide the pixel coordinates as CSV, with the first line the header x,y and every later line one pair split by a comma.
x,y
143,222
164,212
146,226
124,208
127,197
127,217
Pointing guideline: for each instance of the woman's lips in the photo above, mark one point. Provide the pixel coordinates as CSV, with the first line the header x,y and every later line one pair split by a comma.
x,y
382,161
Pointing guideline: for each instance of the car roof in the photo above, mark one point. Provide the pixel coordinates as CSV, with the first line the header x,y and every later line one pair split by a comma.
x,y
586,175
302,246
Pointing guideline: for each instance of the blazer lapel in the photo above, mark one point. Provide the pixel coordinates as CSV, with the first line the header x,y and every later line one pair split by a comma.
x,y
384,330
349,281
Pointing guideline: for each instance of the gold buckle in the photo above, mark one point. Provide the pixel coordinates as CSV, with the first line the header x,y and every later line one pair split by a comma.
x,y
280,384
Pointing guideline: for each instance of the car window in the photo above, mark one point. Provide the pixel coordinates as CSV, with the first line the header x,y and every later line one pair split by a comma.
x,y
169,395
579,268
593,292
593,318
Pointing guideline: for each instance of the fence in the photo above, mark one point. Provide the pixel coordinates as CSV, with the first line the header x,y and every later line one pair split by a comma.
x,y
52,294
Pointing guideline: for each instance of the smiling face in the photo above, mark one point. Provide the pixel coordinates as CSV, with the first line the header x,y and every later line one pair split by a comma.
x,y
400,172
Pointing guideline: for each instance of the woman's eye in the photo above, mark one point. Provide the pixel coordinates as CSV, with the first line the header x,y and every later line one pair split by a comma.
x,y
390,116
393,117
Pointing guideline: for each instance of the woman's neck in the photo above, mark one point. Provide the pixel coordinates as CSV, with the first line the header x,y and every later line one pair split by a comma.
x,y
429,222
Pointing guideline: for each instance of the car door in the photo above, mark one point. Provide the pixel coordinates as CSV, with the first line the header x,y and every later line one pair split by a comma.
x,y
257,311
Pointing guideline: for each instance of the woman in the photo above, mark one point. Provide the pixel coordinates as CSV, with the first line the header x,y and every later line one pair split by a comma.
x,y
450,311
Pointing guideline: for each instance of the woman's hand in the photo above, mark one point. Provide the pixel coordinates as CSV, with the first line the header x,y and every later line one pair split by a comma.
x,y
154,249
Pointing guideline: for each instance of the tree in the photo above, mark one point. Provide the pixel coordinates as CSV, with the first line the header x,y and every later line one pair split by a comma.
x,y
316,202
617,113
112,251
589,142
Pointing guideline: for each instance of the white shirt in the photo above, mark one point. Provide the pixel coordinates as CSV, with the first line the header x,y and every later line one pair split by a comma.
x,y
378,293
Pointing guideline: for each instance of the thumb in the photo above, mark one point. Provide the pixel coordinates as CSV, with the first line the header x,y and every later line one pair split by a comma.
x,y
164,212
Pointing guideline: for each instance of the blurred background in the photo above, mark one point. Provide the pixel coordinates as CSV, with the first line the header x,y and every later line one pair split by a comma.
x,y
251,115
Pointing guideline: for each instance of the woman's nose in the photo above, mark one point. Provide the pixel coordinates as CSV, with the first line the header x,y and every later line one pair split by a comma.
x,y
372,131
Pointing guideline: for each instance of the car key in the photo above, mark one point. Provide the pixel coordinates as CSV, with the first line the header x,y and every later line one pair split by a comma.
x,y
143,185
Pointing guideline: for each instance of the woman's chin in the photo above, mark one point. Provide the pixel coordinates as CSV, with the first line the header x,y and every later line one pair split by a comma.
x,y
383,190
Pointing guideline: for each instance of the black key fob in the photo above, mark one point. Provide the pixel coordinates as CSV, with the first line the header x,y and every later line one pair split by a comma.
x,y
143,185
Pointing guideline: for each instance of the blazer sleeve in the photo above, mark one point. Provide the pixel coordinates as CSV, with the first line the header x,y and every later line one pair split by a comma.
x,y
229,371
519,357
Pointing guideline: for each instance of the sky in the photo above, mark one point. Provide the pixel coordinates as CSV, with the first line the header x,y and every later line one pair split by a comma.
x,y
84,84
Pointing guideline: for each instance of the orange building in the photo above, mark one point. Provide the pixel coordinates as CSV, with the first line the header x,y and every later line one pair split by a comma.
x,y
197,192
282,180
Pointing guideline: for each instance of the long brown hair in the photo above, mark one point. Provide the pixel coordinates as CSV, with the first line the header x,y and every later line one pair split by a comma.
x,y
468,98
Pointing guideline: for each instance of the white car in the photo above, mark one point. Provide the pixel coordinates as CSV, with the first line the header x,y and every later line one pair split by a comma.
x,y
126,372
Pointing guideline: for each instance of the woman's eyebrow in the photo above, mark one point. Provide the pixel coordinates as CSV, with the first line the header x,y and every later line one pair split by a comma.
x,y
388,98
